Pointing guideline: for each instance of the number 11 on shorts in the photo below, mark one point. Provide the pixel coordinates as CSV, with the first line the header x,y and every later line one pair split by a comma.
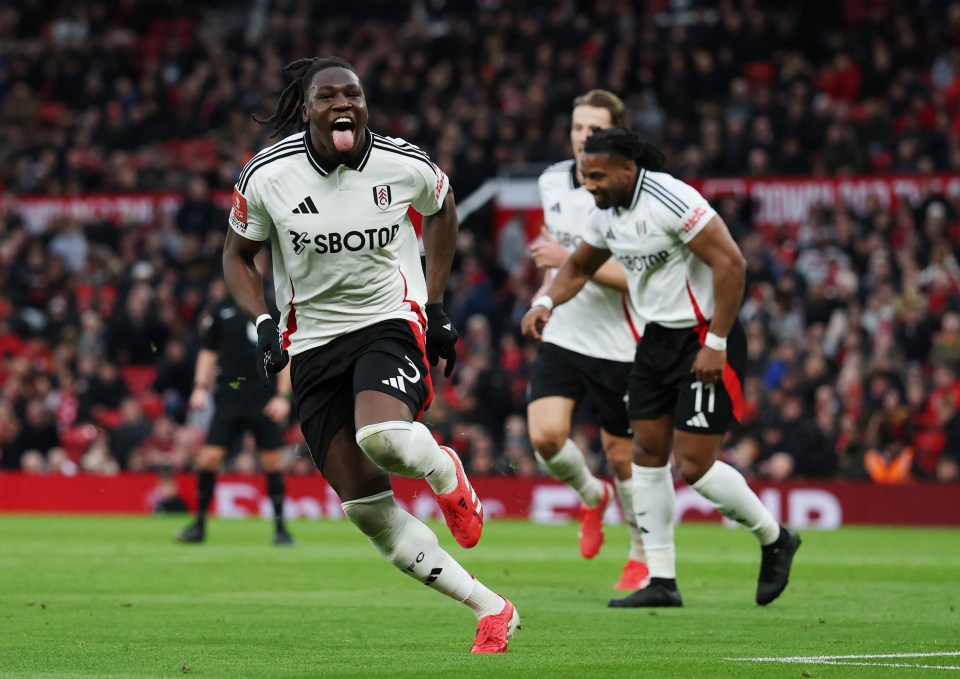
x,y
711,396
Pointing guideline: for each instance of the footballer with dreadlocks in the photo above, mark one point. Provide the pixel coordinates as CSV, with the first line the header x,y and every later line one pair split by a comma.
x,y
360,322
685,276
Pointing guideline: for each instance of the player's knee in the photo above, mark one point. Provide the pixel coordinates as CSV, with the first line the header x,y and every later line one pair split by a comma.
x,y
647,457
210,458
271,461
385,443
619,451
373,515
690,470
547,441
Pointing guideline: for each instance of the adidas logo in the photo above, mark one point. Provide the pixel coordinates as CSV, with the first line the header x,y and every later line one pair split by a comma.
x,y
609,235
399,382
306,207
698,420
555,207
396,383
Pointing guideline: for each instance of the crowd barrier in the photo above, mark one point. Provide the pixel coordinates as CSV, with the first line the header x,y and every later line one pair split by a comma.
x,y
826,505
777,201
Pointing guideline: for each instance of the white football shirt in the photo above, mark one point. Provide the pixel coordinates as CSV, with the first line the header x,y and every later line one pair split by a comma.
x,y
345,254
597,322
669,285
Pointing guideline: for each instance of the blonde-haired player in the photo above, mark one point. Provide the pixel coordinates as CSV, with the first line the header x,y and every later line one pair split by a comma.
x,y
587,349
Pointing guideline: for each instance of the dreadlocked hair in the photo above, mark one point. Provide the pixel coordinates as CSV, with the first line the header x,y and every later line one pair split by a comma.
x,y
288,107
628,144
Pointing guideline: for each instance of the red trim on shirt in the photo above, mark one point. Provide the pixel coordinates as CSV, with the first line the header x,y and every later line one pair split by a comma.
x,y
696,307
626,313
291,318
414,306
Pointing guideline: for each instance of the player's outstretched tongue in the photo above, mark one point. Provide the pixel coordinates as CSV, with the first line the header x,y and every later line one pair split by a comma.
x,y
343,140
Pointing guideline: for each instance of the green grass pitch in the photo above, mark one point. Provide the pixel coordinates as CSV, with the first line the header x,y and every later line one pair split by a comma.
x,y
116,597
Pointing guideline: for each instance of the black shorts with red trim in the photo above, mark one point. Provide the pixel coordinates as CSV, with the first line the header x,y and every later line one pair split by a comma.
x,y
661,382
561,372
388,357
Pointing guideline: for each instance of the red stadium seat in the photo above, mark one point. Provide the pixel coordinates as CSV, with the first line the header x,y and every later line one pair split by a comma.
x,y
77,439
151,404
139,378
760,73
108,419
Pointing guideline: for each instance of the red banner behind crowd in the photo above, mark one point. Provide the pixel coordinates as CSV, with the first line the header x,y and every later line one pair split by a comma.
x,y
788,200
120,208
804,505
777,201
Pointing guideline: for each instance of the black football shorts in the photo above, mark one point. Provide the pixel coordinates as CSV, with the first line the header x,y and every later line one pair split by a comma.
x,y
661,382
561,372
389,357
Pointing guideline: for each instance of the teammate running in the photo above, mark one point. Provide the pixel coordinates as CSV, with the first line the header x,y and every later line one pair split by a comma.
x,y
588,348
686,278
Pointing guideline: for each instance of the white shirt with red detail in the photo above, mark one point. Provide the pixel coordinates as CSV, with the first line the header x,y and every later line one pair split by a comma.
x,y
345,253
669,285
598,321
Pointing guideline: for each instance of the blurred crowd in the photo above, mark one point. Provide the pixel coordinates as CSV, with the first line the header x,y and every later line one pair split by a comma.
x,y
853,316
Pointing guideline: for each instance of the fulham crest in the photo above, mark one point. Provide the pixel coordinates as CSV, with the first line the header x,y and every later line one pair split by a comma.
x,y
382,196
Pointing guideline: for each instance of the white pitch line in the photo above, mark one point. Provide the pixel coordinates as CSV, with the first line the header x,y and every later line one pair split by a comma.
x,y
889,664
835,660
820,658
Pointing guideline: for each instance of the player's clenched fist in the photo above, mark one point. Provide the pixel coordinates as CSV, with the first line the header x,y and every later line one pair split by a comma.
x,y
441,338
272,357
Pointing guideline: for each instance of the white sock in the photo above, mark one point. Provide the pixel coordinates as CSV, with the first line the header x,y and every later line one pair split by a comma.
x,y
570,466
625,494
408,449
654,505
484,602
411,546
728,491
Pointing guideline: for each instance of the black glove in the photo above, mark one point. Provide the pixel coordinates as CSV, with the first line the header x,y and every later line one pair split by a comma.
x,y
271,357
441,338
